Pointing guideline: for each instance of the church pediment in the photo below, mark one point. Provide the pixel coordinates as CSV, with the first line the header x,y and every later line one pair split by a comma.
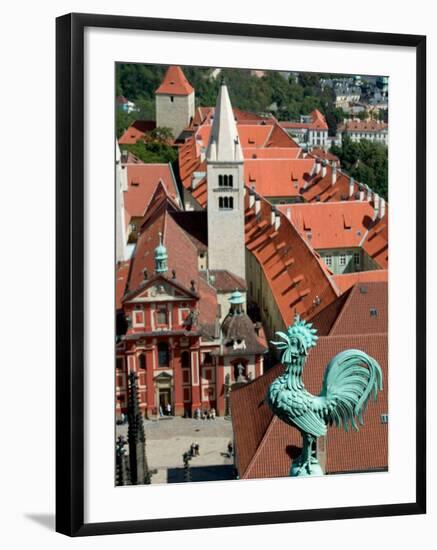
x,y
161,289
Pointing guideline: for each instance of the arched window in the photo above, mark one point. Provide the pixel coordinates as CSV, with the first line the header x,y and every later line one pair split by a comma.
x,y
225,181
185,359
142,361
231,182
163,354
220,202
231,202
220,179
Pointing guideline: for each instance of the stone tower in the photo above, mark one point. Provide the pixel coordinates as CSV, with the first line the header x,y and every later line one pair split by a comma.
x,y
225,182
174,101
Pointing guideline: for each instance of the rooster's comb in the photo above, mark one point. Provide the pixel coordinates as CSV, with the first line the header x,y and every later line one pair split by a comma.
x,y
299,329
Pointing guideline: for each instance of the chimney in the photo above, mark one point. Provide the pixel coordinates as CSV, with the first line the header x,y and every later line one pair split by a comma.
x,y
277,220
257,204
381,211
376,205
289,213
251,199
351,186
324,164
272,216
333,174
317,166
361,192
369,194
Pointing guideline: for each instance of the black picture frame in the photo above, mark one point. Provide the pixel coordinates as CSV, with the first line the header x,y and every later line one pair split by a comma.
x,y
70,273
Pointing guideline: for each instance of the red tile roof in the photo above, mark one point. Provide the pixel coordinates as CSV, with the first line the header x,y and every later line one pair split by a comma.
x,y
224,281
272,152
121,275
331,225
318,122
361,310
299,280
143,180
182,257
277,177
265,445
136,131
175,83
363,126
345,281
322,154
376,243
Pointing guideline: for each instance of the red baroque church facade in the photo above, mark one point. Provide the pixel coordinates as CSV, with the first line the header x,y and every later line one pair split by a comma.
x,y
176,366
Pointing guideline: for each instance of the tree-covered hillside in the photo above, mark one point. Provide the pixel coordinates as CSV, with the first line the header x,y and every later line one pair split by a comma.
x,y
285,96
366,161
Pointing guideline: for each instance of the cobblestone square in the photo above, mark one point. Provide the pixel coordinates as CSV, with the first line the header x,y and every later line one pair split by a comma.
x,y
169,438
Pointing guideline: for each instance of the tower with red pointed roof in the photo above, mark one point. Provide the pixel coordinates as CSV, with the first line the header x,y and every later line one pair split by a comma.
x,y
174,100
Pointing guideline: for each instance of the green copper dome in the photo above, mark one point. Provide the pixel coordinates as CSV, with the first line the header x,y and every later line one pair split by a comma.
x,y
161,257
236,298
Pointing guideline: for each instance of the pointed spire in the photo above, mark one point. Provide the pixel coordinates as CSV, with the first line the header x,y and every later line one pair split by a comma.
x,y
224,144
161,257
175,82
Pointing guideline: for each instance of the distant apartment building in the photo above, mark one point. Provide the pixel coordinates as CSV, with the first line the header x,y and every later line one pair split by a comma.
x,y
358,130
311,130
346,96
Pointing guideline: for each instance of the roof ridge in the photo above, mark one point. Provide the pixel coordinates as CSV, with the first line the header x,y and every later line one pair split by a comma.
x,y
335,323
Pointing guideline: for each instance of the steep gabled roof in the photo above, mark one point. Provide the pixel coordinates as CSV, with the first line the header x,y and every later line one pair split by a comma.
x,y
175,83
182,257
345,281
363,309
143,179
299,280
136,131
121,276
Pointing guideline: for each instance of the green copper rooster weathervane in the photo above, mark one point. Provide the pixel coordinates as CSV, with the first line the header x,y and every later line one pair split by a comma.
x,y
350,379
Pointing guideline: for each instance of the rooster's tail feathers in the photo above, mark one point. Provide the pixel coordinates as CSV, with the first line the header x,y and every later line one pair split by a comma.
x,y
350,379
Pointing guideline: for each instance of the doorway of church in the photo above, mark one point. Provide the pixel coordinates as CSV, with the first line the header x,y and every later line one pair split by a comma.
x,y
165,404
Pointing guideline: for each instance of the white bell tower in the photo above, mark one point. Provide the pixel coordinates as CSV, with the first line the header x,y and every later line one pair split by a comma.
x,y
225,182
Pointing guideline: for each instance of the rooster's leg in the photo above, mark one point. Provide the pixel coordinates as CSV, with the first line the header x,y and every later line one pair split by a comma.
x,y
306,457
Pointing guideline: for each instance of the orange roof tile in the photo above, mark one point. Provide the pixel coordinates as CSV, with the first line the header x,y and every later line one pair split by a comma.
x,y
136,131
174,82
355,125
318,122
345,281
331,224
272,152
277,177
142,182
376,243
300,282
121,276
363,309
